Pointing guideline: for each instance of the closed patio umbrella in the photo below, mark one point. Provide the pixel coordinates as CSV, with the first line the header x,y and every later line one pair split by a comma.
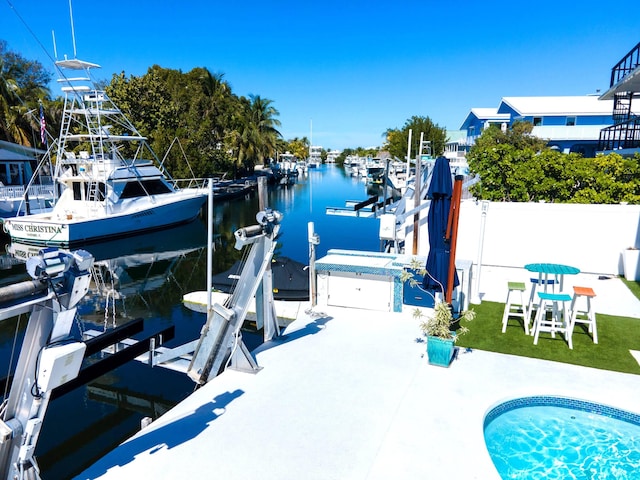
x,y
437,266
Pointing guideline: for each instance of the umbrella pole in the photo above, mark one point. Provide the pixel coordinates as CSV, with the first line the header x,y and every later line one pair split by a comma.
x,y
452,234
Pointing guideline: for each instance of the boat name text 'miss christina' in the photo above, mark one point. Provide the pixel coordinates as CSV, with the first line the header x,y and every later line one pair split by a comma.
x,y
111,182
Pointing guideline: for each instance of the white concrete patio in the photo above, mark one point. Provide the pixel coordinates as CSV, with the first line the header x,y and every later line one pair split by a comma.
x,y
349,394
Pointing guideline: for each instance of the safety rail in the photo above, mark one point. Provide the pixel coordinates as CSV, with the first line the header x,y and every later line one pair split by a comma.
x,y
17,191
190,183
629,63
622,135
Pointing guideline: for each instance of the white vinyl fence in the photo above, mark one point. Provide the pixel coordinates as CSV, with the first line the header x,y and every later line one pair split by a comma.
x,y
590,237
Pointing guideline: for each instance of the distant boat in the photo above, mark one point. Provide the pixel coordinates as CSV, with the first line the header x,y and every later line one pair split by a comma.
x,y
227,190
315,158
290,279
111,182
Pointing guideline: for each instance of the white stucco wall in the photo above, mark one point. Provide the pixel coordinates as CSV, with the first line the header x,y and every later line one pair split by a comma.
x,y
590,237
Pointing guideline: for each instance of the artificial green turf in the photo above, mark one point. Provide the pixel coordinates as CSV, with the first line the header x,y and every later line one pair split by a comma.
x,y
633,286
616,336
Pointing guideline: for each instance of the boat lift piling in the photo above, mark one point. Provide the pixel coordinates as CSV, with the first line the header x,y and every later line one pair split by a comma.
x,y
49,357
314,240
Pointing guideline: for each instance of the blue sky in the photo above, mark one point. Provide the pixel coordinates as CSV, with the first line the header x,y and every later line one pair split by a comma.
x,y
343,72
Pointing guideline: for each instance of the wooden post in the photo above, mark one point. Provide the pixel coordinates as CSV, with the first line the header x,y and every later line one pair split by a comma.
x,y
452,234
262,193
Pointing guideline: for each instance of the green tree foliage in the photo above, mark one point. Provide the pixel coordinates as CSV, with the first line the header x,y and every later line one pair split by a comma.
x,y
299,147
23,85
397,139
256,134
196,123
516,167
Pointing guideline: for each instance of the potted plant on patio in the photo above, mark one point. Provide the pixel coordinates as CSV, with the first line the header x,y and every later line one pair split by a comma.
x,y
441,337
440,326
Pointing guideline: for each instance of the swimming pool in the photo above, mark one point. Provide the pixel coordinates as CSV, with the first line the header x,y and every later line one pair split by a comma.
x,y
554,437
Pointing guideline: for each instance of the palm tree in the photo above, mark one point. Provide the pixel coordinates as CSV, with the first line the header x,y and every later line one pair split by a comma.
x,y
21,90
256,136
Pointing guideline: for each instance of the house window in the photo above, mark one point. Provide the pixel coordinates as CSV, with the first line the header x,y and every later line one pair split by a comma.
x,y
537,121
571,121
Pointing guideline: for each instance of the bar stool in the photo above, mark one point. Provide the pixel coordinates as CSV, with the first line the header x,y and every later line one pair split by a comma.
x,y
516,307
534,288
587,316
558,321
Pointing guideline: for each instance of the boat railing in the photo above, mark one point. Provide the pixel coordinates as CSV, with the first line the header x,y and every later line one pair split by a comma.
x,y
17,191
180,183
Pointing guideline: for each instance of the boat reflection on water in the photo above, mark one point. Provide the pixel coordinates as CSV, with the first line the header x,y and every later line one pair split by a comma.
x,y
139,276
127,270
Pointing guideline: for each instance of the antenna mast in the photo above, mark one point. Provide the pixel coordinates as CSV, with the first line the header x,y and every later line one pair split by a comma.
x,y
73,33
55,48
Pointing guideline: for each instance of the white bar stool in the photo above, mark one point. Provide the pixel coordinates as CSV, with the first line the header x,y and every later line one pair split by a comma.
x,y
559,321
516,307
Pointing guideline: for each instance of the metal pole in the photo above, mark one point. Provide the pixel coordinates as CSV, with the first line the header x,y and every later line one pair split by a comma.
x,y
209,247
406,178
416,197
475,294
313,241
384,187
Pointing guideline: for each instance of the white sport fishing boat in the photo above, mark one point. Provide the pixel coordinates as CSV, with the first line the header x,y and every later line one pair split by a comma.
x,y
111,183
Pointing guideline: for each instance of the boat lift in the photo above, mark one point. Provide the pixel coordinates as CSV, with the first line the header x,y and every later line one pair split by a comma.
x,y
221,340
49,356
220,344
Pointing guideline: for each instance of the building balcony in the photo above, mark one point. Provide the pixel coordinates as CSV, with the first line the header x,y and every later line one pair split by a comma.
x,y
621,136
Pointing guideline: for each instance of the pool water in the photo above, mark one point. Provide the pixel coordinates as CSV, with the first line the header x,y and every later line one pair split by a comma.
x,y
560,438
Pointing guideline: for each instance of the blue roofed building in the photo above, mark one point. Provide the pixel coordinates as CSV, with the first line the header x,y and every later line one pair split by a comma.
x,y
475,123
568,123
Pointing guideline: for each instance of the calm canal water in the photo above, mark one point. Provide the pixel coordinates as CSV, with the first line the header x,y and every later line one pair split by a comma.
x,y
146,276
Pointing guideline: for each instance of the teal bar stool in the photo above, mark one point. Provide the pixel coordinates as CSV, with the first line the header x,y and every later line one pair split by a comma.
x,y
557,321
516,306
539,282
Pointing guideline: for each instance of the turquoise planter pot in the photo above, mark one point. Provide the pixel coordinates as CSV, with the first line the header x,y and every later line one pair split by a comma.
x,y
440,351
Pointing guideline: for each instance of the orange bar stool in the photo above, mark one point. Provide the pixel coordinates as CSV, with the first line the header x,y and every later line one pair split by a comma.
x,y
559,321
585,296
516,306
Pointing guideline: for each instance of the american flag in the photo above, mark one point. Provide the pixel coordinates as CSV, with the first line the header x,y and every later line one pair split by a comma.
x,y
43,127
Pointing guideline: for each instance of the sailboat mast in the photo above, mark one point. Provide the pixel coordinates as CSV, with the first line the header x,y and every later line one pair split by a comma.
x,y
311,136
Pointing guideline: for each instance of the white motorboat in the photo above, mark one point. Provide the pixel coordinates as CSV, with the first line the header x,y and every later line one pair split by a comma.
x,y
110,181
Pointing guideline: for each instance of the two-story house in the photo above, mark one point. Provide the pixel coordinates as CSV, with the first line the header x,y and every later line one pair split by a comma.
x,y
569,123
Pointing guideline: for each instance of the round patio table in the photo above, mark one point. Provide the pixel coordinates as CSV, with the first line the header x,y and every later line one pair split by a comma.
x,y
544,270
555,269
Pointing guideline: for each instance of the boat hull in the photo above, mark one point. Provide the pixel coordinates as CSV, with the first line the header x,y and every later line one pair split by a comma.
x,y
60,231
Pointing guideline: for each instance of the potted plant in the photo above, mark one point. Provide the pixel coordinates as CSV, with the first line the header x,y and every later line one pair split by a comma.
x,y
440,326
439,329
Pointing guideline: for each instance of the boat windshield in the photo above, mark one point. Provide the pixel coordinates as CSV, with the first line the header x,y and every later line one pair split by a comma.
x,y
144,187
